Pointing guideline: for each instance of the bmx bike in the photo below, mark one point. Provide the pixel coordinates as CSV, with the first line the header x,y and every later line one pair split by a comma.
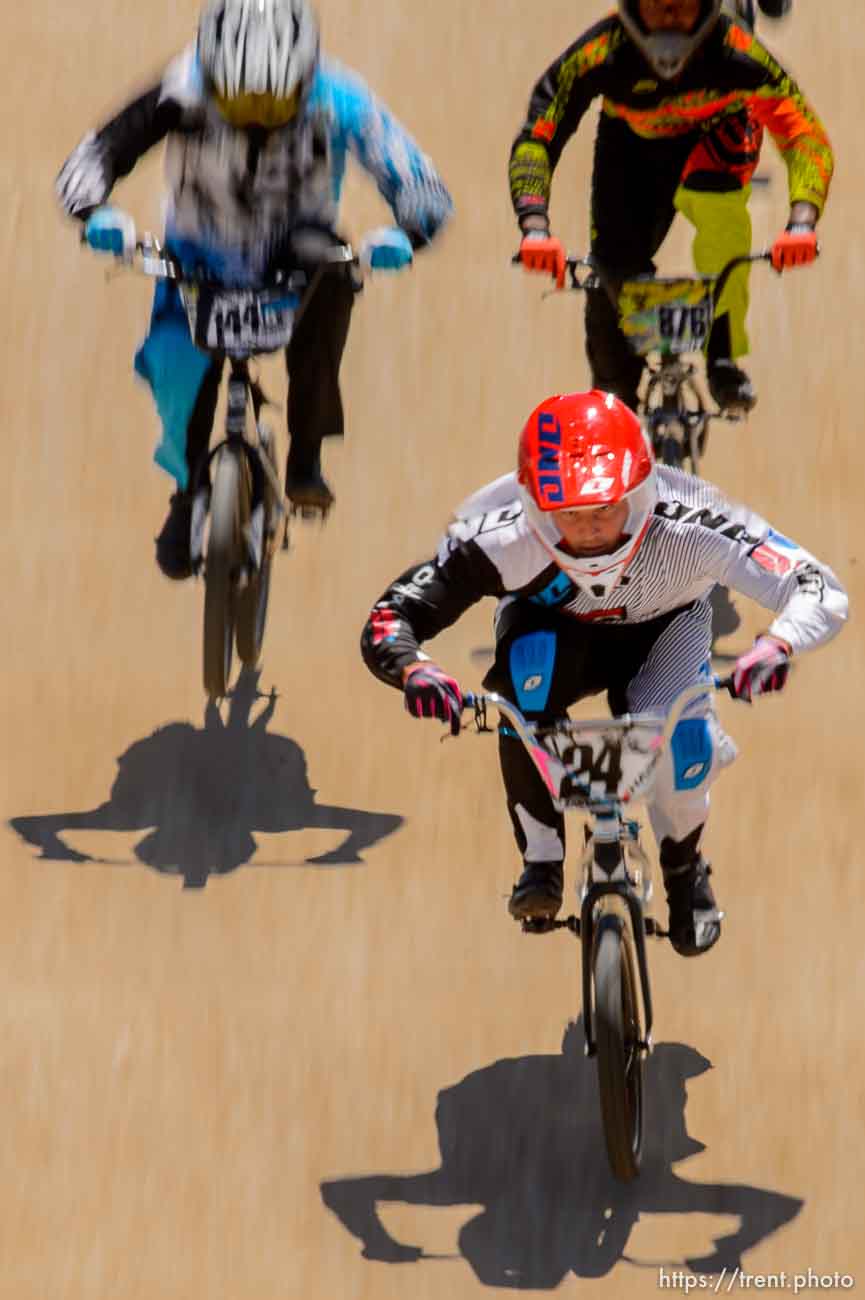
x,y
666,321
601,767
239,512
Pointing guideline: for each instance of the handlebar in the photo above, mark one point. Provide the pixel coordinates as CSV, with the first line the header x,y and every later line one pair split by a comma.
x,y
152,259
551,762
597,277
623,722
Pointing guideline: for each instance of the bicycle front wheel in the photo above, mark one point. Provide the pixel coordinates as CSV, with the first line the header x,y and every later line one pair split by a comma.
x,y
251,611
619,1038
220,570
251,607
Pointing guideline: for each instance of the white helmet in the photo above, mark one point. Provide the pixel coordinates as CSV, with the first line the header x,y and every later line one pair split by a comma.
x,y
667,52
258,58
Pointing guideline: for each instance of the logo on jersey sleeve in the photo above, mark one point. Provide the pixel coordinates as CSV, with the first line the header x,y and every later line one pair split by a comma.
x,y
385,625
778,539
772,560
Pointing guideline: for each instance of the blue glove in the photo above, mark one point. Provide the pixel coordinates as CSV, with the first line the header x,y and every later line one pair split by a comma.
x,y
108,230
386,249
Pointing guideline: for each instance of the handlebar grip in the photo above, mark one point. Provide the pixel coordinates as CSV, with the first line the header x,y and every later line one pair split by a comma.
x,y
469,700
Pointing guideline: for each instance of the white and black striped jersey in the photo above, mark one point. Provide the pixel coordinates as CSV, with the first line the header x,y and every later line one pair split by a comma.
x,y
696,539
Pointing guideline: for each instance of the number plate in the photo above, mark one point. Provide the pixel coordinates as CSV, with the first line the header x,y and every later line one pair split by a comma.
x,y
611,766
666,316
239,322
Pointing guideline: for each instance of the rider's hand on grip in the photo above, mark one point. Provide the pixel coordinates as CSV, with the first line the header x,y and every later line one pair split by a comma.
x,y
764,668
430,693
108,230
542,252
796,247
386,249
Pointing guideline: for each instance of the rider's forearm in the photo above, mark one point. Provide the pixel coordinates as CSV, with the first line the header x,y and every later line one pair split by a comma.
x,y
556,107
424,601
103,157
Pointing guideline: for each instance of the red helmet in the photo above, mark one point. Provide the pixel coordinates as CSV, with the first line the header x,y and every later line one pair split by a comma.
x,y
577,452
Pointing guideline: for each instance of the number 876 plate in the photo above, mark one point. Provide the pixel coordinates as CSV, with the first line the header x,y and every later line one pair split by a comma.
x,y
666,316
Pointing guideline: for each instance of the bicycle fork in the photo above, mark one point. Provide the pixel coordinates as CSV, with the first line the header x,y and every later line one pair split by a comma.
x,y
610,888
260,466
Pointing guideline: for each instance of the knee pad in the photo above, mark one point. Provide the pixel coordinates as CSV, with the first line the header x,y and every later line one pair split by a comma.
x,y
532,660
692,751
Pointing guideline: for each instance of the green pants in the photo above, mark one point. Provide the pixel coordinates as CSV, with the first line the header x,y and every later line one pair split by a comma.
x,y
722,226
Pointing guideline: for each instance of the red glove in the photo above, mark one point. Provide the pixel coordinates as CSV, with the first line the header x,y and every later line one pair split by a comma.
x,y
764,668
545,253
430,693
796,247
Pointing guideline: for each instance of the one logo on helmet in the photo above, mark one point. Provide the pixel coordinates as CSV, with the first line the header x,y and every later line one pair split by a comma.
x,y
593,486
645,87
549,459
532,683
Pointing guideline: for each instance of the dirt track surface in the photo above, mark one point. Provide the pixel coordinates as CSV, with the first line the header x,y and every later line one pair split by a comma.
x,y
330,1066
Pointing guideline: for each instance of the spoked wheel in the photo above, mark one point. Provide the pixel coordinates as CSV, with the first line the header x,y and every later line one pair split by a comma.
x,y
251,611
251,602
619,1034
224,555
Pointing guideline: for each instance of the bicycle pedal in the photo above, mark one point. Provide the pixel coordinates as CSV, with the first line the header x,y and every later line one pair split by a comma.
x,y
310,512
538,924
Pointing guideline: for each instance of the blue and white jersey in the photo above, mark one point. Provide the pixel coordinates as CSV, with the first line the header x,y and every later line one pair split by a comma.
x,y
235,195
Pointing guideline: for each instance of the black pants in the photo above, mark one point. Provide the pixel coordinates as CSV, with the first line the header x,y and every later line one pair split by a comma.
x,y
634,183
312,361
571,660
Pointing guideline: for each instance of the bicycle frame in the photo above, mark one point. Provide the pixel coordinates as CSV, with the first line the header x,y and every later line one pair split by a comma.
x,y
608,883
241,389
678,424
154,261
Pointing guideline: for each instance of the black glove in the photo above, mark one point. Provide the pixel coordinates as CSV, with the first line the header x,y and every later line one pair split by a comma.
x,y
430,693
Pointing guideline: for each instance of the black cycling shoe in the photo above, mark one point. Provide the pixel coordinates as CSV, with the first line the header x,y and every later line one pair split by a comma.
x,y
537,895
695,922
172,544
775,8
730,386
306,486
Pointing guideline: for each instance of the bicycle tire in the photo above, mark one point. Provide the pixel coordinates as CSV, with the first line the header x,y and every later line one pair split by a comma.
x,y
252,601
251,615
618,1034
220,567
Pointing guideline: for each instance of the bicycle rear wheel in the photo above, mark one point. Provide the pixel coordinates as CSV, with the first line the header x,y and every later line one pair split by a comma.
x,y
224,554
618,1032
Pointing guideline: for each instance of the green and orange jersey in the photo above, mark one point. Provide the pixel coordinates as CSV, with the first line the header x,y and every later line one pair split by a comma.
x,y
732,73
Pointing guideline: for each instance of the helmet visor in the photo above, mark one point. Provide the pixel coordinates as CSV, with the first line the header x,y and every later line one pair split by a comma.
x,y
268,111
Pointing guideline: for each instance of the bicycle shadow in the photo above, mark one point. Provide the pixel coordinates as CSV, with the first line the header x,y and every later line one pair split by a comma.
x,y
725,621
202,794
523,1139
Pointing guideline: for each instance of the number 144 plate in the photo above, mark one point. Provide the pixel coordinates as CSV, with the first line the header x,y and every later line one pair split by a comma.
x,y
240,322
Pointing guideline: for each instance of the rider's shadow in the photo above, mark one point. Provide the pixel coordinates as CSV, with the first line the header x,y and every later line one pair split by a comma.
x,y
202,793
522,1138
